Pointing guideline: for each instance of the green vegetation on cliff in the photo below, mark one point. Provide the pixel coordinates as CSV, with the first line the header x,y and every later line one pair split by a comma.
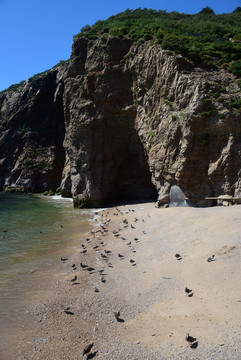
x,y
204,37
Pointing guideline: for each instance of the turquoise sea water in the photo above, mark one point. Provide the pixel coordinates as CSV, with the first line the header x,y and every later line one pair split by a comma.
x,y
35,231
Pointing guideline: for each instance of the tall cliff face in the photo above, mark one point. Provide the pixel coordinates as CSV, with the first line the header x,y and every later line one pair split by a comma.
x,y
123,121
32,133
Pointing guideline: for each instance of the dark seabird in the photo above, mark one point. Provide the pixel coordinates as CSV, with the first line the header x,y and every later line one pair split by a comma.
x,y
68,312
188,291
87,349
83,266
190,339
64,259
90,269
101,270
211,258
108,251
117,314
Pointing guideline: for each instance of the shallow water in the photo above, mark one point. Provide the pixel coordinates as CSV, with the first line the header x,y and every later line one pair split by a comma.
x,y
35,231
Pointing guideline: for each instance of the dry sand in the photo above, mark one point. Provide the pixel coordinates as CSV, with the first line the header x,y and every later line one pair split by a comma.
x,y
155,311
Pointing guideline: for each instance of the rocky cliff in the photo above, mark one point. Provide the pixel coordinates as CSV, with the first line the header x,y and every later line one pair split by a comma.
x,y
122,121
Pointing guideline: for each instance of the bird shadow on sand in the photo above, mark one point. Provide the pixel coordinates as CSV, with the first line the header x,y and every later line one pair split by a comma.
x,y
120,320
91,355
194,345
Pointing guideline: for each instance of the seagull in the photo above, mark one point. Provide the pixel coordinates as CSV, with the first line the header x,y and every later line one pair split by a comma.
x,y
83,266
63,259
188,291
120,256
117,314
87,349
101,270
68,312
108,251
211,258
190,339
90,269
74,279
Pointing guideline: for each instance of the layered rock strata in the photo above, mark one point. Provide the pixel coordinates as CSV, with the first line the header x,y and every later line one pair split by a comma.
x,y
121,121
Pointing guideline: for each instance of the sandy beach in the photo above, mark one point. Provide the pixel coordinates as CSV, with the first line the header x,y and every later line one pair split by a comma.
x,y
167,272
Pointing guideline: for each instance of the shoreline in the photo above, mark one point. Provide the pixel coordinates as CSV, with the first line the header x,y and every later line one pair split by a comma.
x,y
31,278
146,283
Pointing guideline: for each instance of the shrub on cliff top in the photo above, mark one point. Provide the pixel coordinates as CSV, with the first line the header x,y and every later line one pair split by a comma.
x,y
199,37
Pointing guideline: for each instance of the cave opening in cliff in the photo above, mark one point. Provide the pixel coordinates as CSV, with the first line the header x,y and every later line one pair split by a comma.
x,y
131,176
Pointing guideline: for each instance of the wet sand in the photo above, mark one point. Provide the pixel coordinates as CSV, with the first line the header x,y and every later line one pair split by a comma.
x,y
135,271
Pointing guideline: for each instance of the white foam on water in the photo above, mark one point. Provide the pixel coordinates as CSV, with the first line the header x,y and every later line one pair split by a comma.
x,y
59,197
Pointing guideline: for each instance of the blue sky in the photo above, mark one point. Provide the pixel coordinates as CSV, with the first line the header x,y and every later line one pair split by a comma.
x,y
36,35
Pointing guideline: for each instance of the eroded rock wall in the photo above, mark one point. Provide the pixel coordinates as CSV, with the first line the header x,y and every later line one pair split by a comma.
x,y
32,133
122,122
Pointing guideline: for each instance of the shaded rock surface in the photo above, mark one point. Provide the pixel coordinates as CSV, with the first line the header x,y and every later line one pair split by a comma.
x,y
121,121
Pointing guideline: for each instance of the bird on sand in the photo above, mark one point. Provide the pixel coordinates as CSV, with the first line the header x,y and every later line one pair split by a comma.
x,y
83,252
101,270
190,339
211,258
188,291
83,266
87,349
108,251
117,314
90,269
74,278
120,256
63,259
